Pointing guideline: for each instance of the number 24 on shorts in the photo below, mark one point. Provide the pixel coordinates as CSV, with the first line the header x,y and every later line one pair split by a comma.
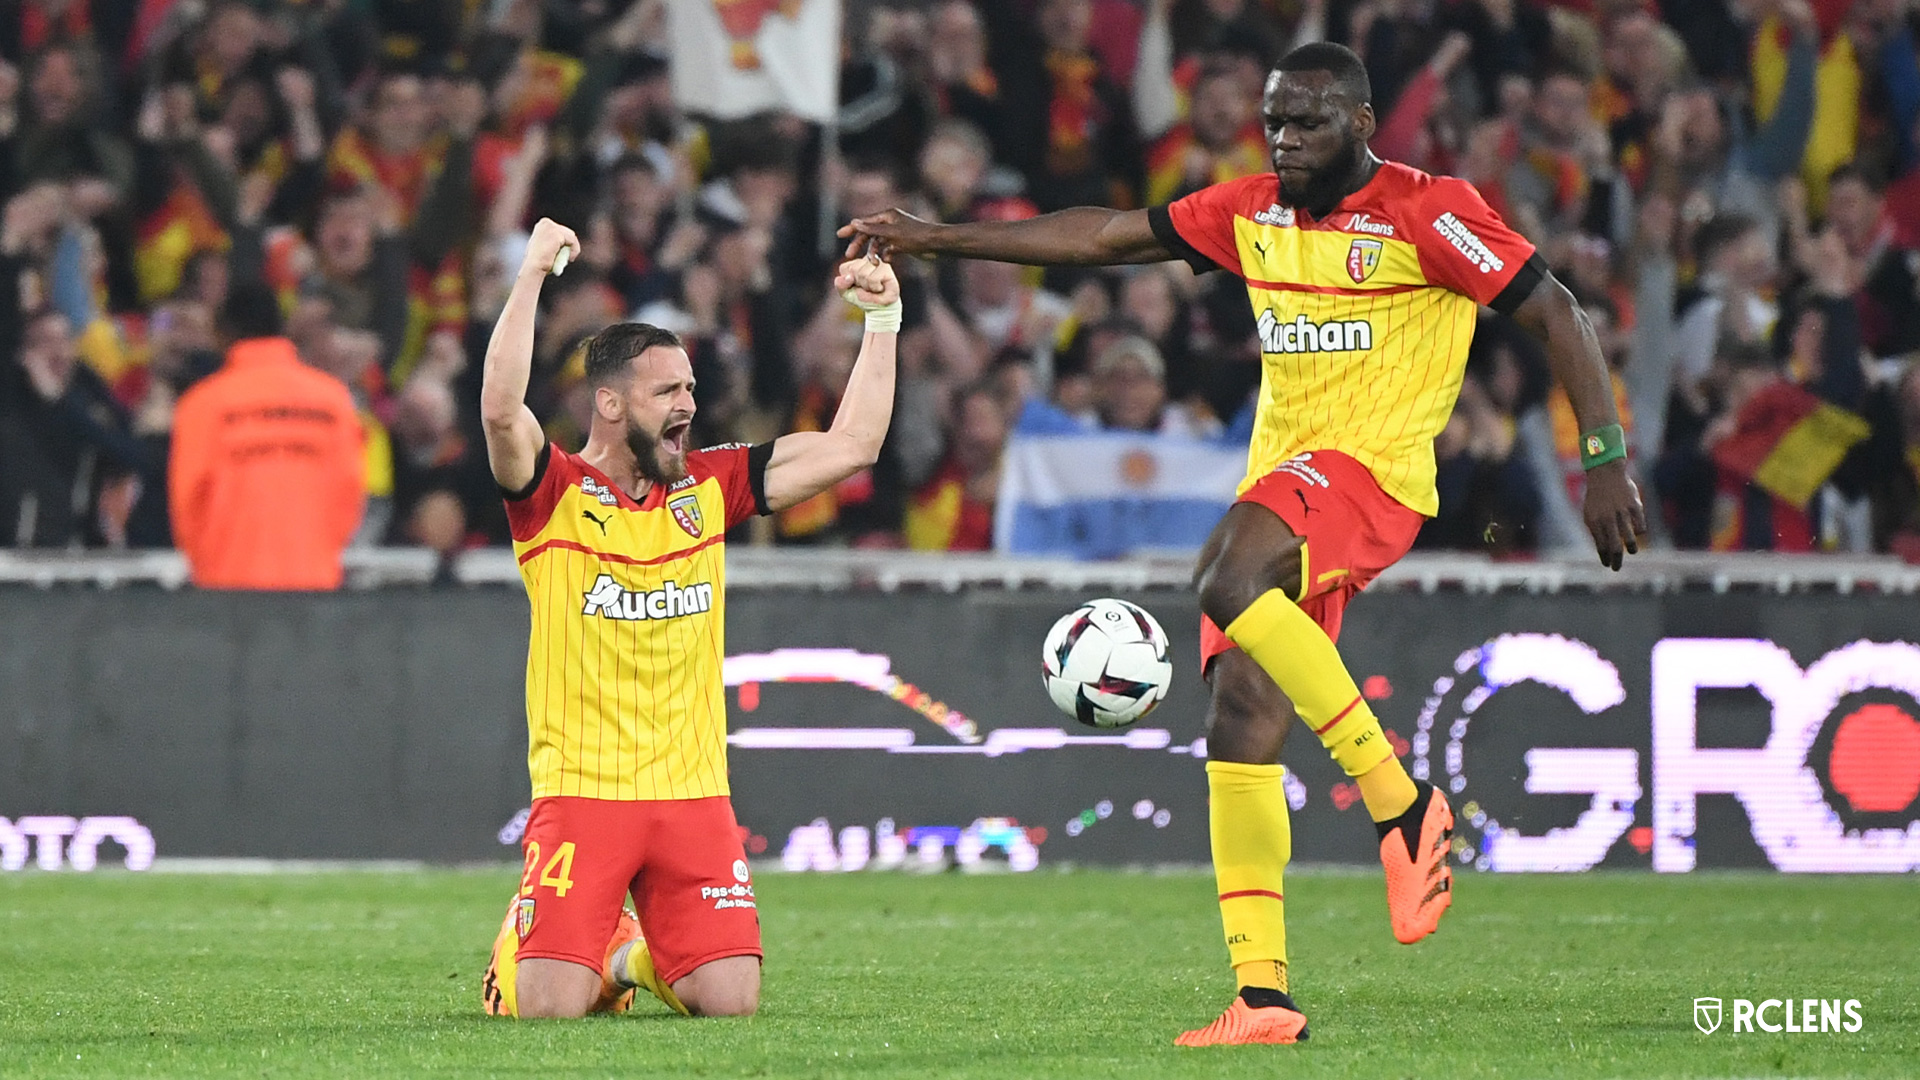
x,y
557,874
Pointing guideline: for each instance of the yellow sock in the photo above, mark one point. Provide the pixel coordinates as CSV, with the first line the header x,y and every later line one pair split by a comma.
x,y
1252,841
1265,974
1387,789
1301,659
637,970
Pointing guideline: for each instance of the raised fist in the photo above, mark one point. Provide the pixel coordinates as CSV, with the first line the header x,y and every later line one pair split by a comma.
x,y
867,283
549,236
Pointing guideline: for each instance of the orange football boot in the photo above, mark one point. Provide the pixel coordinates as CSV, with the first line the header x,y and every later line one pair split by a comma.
x,y
1419,878
1244,1025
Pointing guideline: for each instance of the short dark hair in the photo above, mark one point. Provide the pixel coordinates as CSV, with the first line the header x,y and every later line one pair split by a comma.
x,y
1856,170
632,161
1211,69
251,311
875,165
1719,231
610,352
1746,356
1348,70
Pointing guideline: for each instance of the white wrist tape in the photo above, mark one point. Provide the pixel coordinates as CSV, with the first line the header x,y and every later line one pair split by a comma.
x,y
884,320
881,318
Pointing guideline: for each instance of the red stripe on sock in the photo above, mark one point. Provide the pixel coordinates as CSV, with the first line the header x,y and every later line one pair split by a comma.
x,y
1342,715
1252,892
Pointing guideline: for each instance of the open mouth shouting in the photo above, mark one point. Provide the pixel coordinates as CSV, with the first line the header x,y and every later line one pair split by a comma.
x,y
661,458
673,438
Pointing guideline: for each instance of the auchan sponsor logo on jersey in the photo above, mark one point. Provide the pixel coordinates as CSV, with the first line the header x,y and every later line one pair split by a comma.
x,y
1467,243
609,599
1303,335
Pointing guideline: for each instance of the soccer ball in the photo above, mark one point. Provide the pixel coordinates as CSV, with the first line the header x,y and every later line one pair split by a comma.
x,y
1105,663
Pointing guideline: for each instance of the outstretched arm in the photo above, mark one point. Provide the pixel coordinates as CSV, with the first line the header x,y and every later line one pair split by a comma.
x,y
514,438
1613,511
1081,236
806,463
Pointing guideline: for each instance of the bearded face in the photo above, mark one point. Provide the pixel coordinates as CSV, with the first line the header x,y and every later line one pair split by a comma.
x,y
659,452
1315,137
658,407
1317,188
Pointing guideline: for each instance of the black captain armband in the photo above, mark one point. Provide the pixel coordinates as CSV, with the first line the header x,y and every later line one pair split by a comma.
x,y
1160,220
757,458
1521,287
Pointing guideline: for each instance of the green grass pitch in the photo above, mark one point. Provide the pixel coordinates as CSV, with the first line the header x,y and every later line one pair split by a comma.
x,y
1052,974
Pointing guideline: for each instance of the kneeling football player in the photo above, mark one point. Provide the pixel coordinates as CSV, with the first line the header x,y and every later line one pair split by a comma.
x,y
621,547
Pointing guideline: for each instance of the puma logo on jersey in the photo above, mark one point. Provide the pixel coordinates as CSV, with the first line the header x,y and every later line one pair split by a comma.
x,y
602,522
1303,335
609,599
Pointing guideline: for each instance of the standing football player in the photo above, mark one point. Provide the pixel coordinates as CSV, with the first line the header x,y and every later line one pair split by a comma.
x,y
622,548
1366,278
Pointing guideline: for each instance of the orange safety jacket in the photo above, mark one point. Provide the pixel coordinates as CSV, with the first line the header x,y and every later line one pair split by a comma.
x,y
267,480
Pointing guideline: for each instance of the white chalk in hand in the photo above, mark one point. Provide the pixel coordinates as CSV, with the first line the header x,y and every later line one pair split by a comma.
x,y
560,261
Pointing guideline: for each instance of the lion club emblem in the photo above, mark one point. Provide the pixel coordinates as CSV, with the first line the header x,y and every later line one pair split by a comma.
x,y
523,918
686,511
1363,258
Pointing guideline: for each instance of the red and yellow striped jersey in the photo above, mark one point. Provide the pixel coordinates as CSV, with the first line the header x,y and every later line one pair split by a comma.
x,y
1364,315
624,692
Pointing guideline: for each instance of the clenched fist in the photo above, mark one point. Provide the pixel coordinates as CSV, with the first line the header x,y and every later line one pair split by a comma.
x,y
867,283
549,237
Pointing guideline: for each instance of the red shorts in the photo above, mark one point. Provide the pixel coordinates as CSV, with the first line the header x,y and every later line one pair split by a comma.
x,y
1353,530
680,859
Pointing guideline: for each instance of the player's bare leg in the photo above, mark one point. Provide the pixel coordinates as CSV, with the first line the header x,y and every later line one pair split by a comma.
x,y
549,988
1248,587
1248,718
729,986
500,986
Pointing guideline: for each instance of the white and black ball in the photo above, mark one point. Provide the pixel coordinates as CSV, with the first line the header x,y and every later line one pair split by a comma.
x,y
1106,663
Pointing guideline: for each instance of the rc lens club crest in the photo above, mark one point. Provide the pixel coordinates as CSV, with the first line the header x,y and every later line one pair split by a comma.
x,y
686,511
1363,258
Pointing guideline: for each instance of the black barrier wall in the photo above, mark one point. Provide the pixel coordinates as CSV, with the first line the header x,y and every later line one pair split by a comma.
x,y
1637,731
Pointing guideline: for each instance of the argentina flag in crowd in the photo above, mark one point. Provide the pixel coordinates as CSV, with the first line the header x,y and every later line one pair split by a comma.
x,y
1068,488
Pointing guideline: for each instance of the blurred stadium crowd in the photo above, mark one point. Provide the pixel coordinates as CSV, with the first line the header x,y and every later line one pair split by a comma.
x,y
1729,186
